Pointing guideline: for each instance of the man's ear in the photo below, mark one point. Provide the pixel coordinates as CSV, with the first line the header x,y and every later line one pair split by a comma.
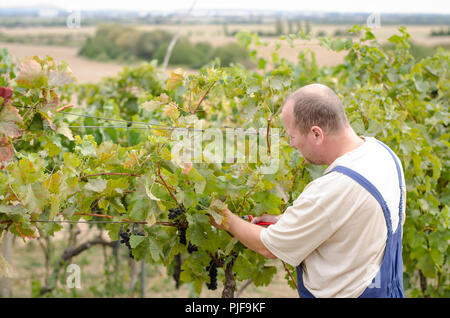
x,y
317,133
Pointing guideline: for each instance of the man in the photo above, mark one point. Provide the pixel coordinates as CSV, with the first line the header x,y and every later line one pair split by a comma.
x,y
343,233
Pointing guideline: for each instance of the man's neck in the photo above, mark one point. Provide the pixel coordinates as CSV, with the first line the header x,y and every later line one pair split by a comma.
x,y
343,143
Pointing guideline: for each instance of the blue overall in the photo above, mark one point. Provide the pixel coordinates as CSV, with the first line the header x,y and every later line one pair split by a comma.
x,y
388,283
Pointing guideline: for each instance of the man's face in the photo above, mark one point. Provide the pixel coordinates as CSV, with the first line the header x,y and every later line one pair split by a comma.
x,y
306,144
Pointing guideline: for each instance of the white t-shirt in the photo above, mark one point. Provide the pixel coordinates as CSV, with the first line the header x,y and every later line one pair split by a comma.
x,y
336,227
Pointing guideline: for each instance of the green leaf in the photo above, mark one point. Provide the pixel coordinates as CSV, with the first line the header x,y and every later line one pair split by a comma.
x,y
426,265
62,76
150,193
138,207
199,227
155,250
64,130
86,146
96,185
12,209
395,39
35,197
135,240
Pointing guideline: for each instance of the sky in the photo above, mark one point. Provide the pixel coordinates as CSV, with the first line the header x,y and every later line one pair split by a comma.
x,y
382,6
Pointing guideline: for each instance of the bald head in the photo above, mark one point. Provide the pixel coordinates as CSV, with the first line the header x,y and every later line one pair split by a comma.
x,y
316,105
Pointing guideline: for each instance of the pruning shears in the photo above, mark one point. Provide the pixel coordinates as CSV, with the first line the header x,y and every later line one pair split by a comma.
x,y
249,218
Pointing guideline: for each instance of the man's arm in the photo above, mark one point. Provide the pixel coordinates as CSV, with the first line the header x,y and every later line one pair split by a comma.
x,y
247,233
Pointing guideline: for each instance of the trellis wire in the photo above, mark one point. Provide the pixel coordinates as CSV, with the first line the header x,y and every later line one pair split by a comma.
x,y
150,126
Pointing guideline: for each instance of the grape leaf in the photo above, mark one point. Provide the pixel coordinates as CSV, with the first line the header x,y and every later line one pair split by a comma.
x,y
135,240
64,129
9,121
60,77
6,94
6,151
31,74
36,197
175,78
96,185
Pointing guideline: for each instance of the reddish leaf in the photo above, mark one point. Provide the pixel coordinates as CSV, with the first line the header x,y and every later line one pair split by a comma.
x,y
30,74
6,151
6,93
52,102
9,121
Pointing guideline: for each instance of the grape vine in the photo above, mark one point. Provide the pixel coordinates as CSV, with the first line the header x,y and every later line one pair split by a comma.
x,y
113,162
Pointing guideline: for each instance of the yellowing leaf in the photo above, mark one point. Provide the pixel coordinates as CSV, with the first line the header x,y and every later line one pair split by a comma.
x,y
35,197
54,206
175,78
163,98
53,182
171,111
151,105
215,209
132,160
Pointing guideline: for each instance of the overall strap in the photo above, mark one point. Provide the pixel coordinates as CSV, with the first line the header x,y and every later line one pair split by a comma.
x,y
399,173
372,190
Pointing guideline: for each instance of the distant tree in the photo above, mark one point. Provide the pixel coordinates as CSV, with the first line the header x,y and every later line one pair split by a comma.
x,y
299,25
225,29
290,26
307,27
279,27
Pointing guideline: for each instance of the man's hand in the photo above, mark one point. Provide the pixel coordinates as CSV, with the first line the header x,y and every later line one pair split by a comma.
x,y
270,218
247,233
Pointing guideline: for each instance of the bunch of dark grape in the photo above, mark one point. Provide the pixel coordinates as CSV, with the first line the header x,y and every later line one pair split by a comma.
x,y
182,235
125,239
174,213
212,270
177,270
191,248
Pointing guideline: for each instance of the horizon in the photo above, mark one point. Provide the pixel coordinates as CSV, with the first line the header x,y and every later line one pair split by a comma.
x,y
324,6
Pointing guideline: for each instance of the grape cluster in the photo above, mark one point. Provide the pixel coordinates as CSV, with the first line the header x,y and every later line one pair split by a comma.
x,y
192,248
177,270
212,270
125,239
174,214
182,235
